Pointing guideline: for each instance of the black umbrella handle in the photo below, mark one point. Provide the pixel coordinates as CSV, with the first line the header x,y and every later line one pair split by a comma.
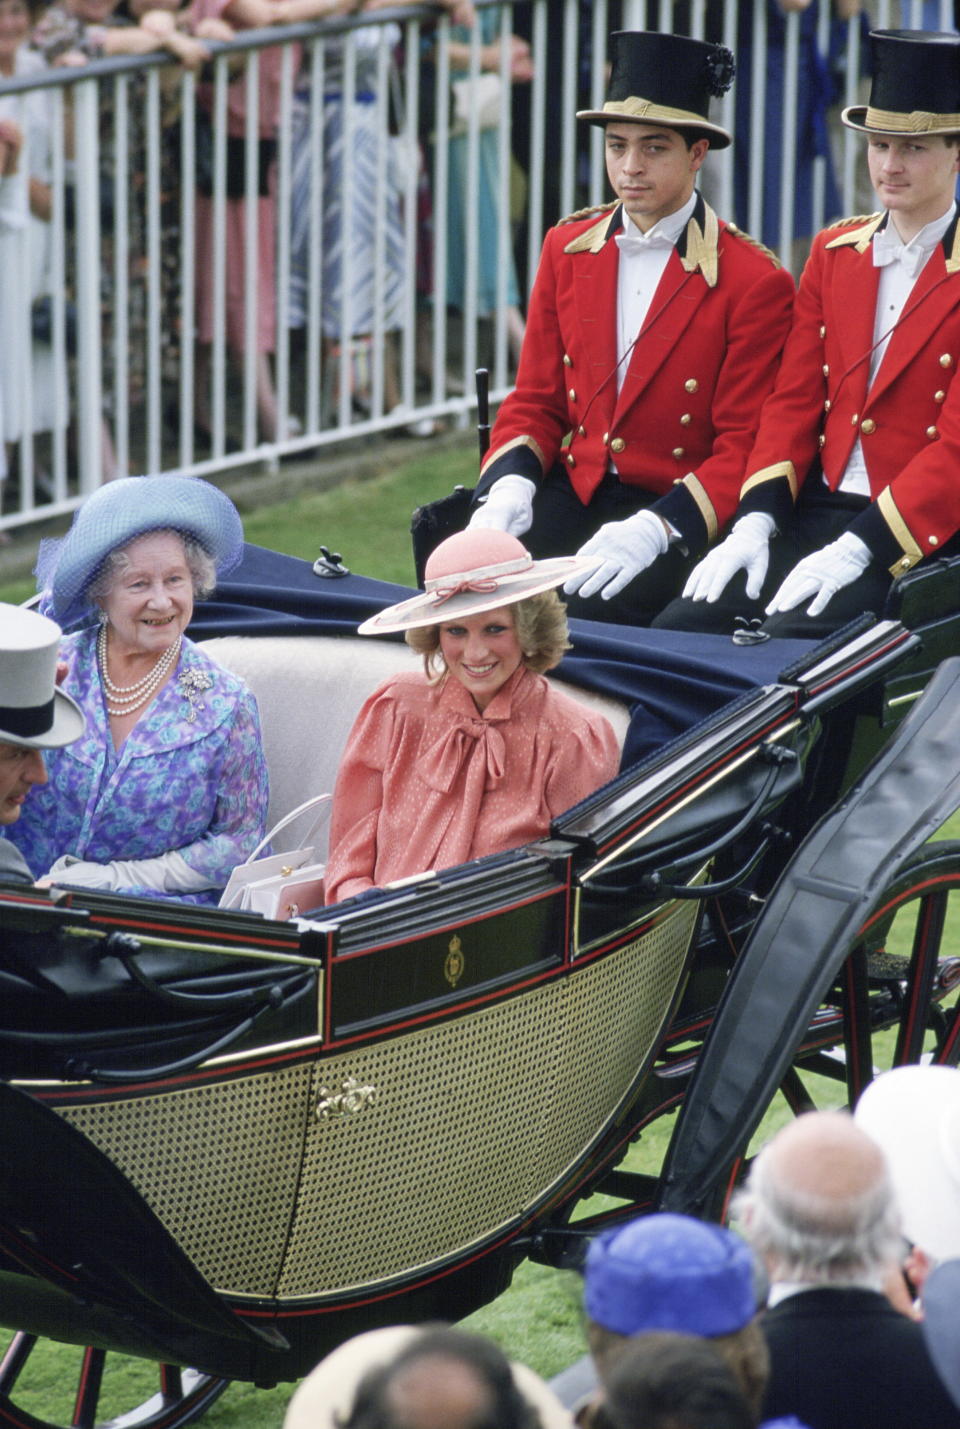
x,y
483,410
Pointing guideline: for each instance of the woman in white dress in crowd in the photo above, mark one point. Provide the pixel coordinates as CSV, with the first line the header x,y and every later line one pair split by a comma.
x,y
33,388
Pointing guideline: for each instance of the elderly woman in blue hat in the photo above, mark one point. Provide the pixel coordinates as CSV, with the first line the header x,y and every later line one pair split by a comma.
x,y
166,791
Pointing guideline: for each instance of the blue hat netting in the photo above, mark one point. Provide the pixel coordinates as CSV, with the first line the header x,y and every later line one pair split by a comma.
x,y
117,514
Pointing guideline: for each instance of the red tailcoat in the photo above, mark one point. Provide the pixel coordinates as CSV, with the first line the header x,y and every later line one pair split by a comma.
x,y
684,422
909,421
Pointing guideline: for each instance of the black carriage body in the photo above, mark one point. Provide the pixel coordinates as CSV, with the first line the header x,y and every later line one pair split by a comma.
x,y
285,1133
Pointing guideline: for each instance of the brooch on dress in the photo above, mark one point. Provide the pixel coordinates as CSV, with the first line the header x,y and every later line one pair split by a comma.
x,y
192,685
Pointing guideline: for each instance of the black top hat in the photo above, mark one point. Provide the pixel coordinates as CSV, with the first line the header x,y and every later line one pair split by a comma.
x,y
665,79
915,87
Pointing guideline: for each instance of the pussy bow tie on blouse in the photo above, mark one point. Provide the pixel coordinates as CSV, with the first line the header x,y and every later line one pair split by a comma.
x,y
467,740
891,250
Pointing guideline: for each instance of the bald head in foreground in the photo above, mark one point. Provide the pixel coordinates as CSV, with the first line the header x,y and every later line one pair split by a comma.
x,y
819,1208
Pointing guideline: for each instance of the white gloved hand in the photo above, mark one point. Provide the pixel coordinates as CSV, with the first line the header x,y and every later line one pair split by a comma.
x,y
168,873
822,574
508,507
747,548
616,554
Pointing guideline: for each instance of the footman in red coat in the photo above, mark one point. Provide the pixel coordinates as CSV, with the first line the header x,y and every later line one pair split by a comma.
x,y
653,336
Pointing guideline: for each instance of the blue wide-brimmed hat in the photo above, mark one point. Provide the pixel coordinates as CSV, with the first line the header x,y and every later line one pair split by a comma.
x,y
668,1272
117,514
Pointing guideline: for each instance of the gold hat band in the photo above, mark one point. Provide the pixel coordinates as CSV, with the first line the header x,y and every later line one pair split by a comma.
x,y
634,108
918,121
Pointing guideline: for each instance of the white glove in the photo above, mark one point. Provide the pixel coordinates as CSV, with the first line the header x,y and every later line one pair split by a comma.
x,y
508,507
822,574
169,873
747,548
619,551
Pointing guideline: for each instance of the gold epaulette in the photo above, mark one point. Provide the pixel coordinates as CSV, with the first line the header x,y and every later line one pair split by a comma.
x,y
588,212
755,243
845,222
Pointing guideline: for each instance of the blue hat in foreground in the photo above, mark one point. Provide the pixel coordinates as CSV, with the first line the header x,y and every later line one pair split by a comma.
x,y
669,1272
117,514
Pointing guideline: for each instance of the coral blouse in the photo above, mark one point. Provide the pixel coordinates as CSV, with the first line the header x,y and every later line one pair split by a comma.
x,y
427,781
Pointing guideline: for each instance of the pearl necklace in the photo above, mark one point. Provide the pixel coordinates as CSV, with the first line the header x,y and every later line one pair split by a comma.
x,y
126,699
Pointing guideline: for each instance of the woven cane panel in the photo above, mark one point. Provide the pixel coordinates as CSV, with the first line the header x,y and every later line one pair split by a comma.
x,y
463,1126
218,1164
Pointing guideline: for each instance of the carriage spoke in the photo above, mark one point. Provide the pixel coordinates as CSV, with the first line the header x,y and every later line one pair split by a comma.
x,y
18,1352
88,1390
927,942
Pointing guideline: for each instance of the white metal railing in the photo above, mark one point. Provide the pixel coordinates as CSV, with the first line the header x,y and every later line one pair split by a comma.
x,y
120,371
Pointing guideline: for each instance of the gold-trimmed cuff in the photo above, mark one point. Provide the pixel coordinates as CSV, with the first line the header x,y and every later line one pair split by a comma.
x,y
900,531
496,452
703,504
772,473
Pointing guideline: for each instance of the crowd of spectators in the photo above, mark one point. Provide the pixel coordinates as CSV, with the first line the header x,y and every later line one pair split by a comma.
x,y
805,1316
348,244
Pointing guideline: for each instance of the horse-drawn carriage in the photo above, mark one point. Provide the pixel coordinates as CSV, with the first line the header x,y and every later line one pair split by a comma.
x,y
229,1142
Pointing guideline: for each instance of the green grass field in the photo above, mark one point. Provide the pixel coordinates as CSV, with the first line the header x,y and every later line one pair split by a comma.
x,y
538,1318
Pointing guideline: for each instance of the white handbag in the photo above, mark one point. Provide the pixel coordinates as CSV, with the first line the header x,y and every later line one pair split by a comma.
x,y
282,885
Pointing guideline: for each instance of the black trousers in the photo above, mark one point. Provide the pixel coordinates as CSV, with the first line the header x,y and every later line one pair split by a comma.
x,y
561,525
821,516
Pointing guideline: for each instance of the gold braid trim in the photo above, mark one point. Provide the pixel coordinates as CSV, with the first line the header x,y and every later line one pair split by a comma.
x,y
505,447
772,473
900,532
845,222
858,238
918,121
588,212
755,243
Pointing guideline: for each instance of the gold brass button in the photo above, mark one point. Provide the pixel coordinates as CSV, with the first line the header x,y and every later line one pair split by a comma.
x,y
932,541
823,330
567,360
904,564
939,396
570,459
826,369
618,444
946,360
572,395
823,440
932,432
827,405
868,427
678,452
581,431
686,419
691,385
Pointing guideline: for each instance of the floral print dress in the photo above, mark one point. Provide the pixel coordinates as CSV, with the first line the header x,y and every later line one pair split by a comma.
x,y
190,776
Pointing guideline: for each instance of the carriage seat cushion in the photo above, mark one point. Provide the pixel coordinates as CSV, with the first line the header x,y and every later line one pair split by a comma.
x,y
309,690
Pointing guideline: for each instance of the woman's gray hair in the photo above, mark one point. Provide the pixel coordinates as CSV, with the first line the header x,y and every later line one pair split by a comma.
x,y
200,564
814,1238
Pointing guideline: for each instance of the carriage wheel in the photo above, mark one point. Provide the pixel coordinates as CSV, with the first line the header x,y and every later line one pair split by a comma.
x,y
182,1395
900,983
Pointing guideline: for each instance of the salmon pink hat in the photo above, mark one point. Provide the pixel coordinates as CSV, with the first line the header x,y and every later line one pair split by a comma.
x,y
473,571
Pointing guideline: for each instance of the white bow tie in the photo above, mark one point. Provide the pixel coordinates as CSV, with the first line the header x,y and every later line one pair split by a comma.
x,y
889,250
629,244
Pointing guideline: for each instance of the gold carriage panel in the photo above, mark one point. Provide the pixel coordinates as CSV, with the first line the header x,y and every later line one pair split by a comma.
x,y
217,1163
339,1173
436,1140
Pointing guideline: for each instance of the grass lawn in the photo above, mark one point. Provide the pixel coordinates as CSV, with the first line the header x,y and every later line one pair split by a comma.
x,y
538,1318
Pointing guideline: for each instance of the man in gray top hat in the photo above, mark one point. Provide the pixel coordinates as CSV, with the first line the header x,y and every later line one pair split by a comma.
x,y
34,715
